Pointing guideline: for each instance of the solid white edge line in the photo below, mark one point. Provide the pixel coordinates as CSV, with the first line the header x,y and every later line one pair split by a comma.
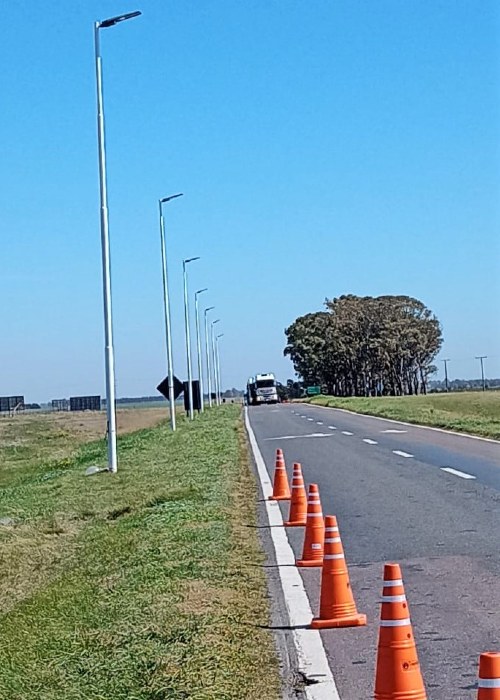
x,y
400,453
309,647
410,425
456,472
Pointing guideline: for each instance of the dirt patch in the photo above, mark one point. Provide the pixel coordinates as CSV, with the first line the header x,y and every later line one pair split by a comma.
x,y
85,425
201,598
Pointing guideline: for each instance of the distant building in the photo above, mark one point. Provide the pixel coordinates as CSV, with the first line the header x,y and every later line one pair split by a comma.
x,y
10,404
85,403
60,404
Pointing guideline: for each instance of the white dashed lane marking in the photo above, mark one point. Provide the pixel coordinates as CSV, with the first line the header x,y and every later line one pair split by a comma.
x,y
310,419
401,453
332,427
393,431
318,422
300,437
370,442
456,472
346,432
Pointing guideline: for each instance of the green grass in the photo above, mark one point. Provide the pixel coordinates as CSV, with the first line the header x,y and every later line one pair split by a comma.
x,y
477,413
144,585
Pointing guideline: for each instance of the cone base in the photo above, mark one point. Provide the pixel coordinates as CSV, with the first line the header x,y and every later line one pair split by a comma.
x,y
351,621
295,523
306,562
279,498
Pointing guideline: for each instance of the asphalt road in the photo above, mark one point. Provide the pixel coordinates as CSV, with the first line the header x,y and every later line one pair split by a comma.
x,y
395,502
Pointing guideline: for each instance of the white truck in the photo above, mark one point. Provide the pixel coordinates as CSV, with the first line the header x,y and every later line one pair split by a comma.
x,y
262,389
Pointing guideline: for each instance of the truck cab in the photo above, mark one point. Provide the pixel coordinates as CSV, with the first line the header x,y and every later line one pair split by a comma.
x,y
266,390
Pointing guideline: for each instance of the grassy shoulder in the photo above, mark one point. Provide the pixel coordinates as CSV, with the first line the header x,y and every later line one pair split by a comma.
x,y
476,412
143,585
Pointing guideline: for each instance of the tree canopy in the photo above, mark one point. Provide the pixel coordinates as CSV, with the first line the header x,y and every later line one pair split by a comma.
x,y
366,346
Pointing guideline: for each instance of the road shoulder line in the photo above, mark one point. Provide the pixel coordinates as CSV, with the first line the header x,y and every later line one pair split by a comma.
x,y
411,425
308,643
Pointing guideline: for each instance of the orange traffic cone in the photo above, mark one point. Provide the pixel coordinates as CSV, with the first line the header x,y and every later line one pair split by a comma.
x,y
281,489
312,553
397,676
336,606
298,505
488,685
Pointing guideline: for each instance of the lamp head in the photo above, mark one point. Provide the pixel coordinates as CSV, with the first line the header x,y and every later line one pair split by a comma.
x,y
172,196
119,18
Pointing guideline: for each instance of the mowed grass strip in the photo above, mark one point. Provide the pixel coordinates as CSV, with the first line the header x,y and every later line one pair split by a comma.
x,y
475,412
144,585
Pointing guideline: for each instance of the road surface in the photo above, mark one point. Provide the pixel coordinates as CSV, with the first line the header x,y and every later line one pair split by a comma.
x,y
426,499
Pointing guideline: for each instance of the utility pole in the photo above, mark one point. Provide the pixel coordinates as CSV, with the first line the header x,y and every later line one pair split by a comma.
x,y
198,347
185,263
166,310
446,373
105,250
214,361
217,353
481,358
207,354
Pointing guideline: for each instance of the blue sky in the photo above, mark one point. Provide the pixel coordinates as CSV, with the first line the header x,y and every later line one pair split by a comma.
x,y
323,148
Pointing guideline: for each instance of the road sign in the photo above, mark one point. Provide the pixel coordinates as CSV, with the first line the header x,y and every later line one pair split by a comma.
x,y
163,388
196,395
85,403
313,390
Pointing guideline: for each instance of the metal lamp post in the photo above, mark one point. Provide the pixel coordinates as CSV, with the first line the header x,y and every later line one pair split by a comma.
x,y
105,251
482,358
207,357
446,374
218,366
214,359
166,309
198,345
188,335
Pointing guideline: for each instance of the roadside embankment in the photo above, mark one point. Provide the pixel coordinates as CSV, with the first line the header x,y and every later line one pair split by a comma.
x,y
477,413
145,584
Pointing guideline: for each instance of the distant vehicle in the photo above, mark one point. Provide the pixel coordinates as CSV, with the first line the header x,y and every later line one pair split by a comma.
x,y
262,389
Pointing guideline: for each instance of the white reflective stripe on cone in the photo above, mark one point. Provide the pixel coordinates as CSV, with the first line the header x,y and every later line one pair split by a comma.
x,y
395,582
315,515
393,599
332,539
395,623
331,529
334,556
488,683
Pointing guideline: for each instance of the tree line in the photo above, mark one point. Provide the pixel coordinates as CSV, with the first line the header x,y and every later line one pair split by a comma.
x,y
366,346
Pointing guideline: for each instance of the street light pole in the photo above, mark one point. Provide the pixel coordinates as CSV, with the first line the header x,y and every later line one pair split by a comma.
x,y
214,361
105,249
166,310
188,335
446,373
207,357
198,345
481,358
218,365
